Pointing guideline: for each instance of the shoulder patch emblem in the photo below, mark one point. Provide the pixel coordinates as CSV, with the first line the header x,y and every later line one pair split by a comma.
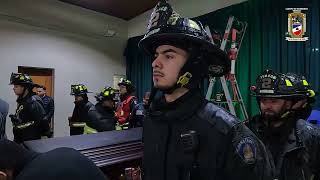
x,y
246,149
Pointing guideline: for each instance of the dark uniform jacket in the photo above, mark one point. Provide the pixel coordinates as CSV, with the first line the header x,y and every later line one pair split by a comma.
x,y
293,151
58,164
48,105
137,116
101,118
191,138
29,114
80,115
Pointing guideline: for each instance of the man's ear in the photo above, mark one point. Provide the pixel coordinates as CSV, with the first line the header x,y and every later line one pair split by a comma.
x,y
3,175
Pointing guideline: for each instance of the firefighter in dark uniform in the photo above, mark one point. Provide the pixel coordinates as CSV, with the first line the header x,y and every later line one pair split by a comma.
x,y
139,112
18,163
292,144
28,119
101,117
80,112
186,137
127,104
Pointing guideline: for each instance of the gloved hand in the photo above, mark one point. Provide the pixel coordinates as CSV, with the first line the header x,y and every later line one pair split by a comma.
x,y
46,118
15,119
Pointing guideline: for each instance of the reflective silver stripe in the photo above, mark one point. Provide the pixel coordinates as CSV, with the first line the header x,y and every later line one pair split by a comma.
x,y
24,125
77,124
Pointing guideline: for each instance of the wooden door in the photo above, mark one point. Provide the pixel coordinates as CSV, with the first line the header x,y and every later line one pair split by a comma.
x,y
45,81
41,76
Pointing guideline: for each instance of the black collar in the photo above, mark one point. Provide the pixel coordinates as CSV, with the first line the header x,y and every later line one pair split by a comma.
x,y
180,109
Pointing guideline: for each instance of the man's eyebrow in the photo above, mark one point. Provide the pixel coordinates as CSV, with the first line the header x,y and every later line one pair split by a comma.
x,y
167,51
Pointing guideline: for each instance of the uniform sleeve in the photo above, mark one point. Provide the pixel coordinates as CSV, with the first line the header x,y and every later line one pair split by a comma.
x,y
72,119
51,109
37,115
317,150
133,108
247,157
3,115
100,123
76,114
37,111
137,115
133,104
93,118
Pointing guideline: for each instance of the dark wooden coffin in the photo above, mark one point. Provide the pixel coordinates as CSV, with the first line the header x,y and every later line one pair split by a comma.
x,y
112,151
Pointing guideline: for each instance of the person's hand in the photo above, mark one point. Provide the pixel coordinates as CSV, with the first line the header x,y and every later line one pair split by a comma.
x,y
3,175
15,119
45,118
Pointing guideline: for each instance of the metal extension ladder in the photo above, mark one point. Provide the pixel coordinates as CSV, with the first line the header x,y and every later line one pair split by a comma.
x,y
233,52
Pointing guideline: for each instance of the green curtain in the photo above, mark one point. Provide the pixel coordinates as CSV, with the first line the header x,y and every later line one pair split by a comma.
x,y
138,67
264,45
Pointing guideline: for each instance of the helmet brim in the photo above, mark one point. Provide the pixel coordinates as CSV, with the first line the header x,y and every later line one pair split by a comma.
x,y
22,83
79,94
127,85
279,95
124,84
215,56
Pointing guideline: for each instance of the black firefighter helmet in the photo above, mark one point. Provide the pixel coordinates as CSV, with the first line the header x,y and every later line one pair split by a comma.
x,y
107,93
78,89
128,84
275,85
21,79
166,27
302,86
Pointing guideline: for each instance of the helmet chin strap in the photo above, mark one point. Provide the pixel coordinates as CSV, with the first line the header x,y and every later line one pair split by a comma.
x,y
185,79
290,110
25,92
182,81
189,75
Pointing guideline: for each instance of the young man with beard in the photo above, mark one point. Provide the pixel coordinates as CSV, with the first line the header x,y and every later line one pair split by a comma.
x,y
101,117
80,112
186,137
293,144
28,119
